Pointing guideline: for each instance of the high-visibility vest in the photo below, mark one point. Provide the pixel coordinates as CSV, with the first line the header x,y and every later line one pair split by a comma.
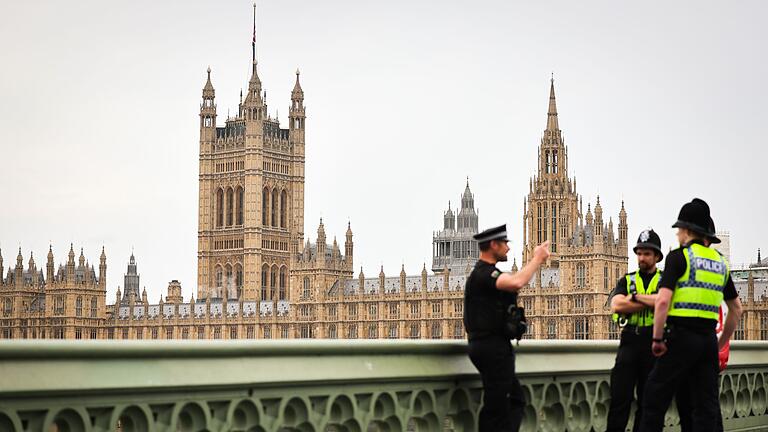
x,y
699,291
635,285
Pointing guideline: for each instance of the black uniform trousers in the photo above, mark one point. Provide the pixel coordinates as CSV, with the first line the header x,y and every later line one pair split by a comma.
x,y
691,358
634,362
503,398
684,399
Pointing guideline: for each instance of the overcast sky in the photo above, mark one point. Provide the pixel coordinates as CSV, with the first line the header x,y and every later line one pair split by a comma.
x,y
405,100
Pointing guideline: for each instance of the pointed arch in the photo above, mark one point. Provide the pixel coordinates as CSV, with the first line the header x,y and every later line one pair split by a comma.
x,y
79,306
219,277
274,207
239,279
219,207
307,288
272,281
283,283
264,281
230,206
240,201
228,280
265,206
283,209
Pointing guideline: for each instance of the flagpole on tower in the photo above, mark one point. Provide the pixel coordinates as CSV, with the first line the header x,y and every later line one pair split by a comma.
x,y
253,40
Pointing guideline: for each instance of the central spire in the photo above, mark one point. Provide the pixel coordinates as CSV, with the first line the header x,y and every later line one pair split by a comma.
x,y
552,124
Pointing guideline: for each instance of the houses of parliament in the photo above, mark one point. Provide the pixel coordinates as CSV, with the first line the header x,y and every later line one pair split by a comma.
x,y
260,276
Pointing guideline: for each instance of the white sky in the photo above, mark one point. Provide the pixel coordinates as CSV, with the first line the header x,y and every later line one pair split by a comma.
x,y
99,126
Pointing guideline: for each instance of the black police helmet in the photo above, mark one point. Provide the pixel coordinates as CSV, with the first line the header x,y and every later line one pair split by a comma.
x,y
649,240
695,217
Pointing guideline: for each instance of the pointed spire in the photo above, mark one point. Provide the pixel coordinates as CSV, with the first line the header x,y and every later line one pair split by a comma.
x,y
50,253
349,229
402,270
103,256
19,258
31,261
208,85
552,123
297,93
71,256
759,259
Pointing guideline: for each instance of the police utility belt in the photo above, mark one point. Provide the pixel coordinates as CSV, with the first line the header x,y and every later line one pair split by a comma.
x,y
514,325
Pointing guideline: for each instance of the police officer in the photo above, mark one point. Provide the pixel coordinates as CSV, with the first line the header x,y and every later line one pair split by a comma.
x,y
684,397
487,296
632,304
696,279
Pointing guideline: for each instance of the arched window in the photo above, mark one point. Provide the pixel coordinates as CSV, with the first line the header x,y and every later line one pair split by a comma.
x,y
554,227
581,273
79,306
8,307
219,208
283,280
265,206
274,207
544,220
332,334
219,278
94,307
239,280
538,225
272,282
264,281
240,203
547,161
230,206
305,293
554,161
283,209
228,282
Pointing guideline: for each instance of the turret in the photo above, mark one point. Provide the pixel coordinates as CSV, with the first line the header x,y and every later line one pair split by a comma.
x,y
382,277
402,278
349,247
321,241
103,270
598,218
1,267
296,114
71,263
49,266
449,219
18,277
208,116
424,277
623,226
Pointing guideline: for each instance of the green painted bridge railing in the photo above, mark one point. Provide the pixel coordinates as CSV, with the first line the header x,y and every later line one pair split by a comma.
x,y
321,385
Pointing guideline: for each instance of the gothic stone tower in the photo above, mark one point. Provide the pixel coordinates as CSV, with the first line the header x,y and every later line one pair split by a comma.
x,y
251,206
568,296
551,209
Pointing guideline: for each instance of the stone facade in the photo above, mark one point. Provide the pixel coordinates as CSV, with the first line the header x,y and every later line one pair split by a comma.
x,y
68,302
568,297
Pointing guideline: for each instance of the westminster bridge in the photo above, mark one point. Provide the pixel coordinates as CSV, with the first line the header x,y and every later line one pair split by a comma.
x,y
322,385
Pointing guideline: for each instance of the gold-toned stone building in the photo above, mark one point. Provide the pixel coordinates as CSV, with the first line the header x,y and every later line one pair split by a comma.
x,y
568,297
259,279
68,302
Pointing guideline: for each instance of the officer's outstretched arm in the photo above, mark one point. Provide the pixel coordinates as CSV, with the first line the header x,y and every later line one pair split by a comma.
x,y
513,282
731,321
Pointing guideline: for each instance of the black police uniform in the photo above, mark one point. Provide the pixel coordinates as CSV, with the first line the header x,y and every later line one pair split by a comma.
x,y
684,397
692,349
489,350
634,359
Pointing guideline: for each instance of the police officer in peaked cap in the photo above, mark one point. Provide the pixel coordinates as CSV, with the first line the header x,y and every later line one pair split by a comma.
x,y
632,305
696,280
489,296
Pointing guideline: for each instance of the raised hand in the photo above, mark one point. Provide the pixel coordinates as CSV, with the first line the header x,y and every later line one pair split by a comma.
x,y
542,252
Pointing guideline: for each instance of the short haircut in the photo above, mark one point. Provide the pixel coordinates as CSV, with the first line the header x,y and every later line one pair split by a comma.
x,y
484,246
